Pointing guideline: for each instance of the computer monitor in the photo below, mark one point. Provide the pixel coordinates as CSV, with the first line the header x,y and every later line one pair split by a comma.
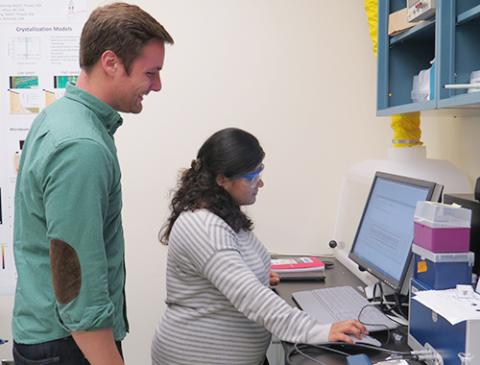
x,y
383,241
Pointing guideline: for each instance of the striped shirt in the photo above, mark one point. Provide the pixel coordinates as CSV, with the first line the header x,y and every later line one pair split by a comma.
x,y
219,308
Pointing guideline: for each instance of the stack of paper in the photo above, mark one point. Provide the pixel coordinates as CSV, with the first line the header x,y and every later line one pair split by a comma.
x,y
449,306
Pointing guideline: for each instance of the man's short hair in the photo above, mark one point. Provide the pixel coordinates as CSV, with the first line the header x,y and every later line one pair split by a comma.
x,y
121,28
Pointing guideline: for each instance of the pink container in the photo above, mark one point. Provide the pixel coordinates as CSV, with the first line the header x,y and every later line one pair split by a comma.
x,y
442,227
441,239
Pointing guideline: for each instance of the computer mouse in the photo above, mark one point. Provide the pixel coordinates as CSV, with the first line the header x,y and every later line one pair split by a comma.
x,y
366,340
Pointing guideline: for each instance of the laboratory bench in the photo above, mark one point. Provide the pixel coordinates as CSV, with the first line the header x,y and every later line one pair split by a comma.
x,y
338,275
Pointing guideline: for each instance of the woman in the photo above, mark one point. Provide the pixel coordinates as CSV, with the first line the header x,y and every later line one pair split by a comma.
x,y
219,307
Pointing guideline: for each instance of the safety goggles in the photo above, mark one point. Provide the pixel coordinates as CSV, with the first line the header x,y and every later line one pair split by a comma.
x,y
254,176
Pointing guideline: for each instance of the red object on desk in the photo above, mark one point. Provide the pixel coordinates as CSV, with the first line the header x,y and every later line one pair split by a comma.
x,y
297,264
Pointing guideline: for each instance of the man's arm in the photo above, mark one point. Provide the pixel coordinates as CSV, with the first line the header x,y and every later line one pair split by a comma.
x,y
77,186
98,346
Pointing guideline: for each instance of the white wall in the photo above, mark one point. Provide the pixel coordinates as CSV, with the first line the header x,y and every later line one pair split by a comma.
x,y
453,135
300,75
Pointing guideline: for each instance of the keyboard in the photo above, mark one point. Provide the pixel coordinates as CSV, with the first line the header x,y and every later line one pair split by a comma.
x,y
342,303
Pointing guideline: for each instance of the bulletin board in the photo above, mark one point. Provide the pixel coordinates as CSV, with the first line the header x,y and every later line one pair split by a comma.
x,y
39,50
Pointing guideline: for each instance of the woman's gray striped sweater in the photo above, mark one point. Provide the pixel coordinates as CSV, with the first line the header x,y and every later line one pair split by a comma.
x,y
220,310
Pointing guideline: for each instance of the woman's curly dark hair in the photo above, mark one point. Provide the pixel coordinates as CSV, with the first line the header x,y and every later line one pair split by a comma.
x,y
229,152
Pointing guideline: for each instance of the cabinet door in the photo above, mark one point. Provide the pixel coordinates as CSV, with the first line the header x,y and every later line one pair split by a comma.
x,y
460,52
400,58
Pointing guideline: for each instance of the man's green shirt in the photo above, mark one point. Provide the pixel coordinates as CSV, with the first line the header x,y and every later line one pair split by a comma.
x,y
68,189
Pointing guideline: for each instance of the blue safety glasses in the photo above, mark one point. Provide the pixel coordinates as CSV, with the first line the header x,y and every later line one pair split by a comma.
x,y
254,176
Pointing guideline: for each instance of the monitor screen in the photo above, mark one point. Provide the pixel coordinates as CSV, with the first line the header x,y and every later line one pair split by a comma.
x,y
383,241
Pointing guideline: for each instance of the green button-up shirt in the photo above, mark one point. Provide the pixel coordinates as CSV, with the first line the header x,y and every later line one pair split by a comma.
x,y
68,189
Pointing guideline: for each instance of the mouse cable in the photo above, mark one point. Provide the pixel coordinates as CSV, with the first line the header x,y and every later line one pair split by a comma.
x,y
400,319
397,319
373,324
383,299
394,316
384,303
296,349
389,311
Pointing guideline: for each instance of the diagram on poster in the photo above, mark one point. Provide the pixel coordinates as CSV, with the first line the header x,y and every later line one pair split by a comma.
x,y
39,51
24,48
24,95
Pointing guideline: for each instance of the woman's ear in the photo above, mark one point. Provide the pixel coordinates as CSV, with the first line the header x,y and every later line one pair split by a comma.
x,y
221,180
225,183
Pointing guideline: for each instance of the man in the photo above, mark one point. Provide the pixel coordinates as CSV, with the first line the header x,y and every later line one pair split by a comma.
x,y
69,247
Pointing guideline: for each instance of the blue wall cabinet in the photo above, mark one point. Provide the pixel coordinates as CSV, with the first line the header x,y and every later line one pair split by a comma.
x,y
451,38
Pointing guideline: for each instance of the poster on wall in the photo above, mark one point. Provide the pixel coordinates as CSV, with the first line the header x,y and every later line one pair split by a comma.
x,y
38,57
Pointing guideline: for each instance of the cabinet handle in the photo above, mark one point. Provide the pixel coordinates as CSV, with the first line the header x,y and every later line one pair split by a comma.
x,y
461,86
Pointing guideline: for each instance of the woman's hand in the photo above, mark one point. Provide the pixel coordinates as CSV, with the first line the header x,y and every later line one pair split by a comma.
x,y
274,278
340,331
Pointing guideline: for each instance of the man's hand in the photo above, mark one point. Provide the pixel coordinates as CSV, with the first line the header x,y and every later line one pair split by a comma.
x,y
340,331
98,347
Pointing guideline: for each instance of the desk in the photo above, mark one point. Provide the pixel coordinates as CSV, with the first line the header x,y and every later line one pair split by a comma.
x,y
338,276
